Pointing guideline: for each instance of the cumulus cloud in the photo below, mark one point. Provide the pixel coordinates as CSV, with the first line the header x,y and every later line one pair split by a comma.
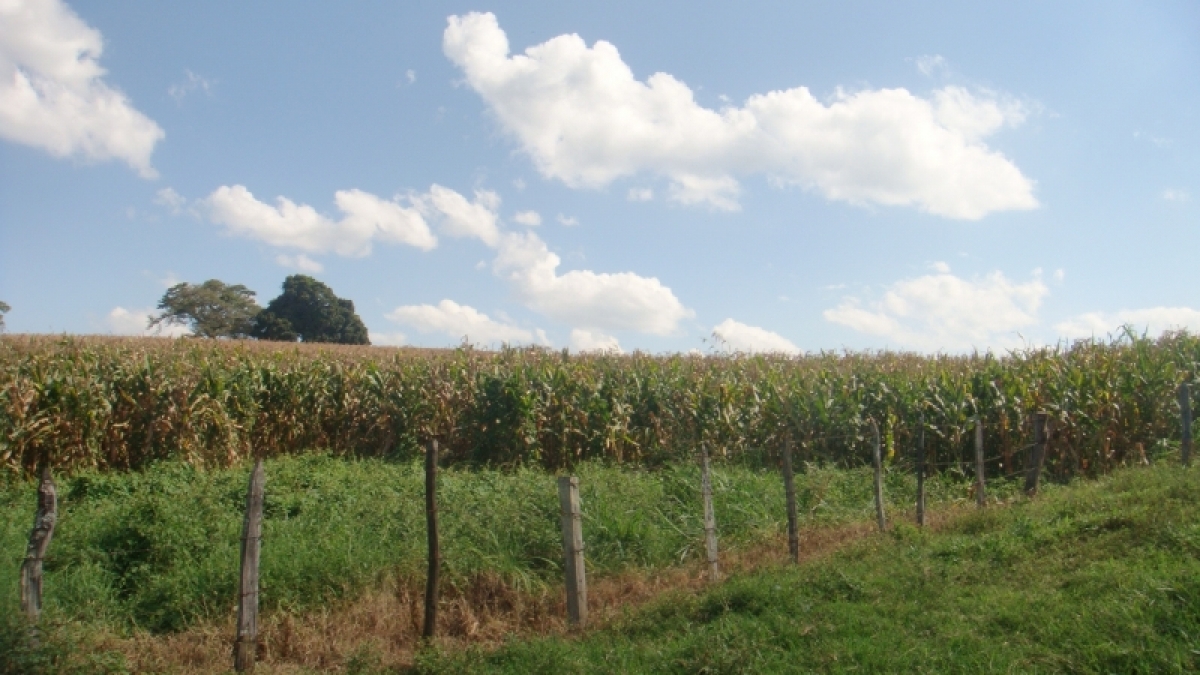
x,y
192,83
944,312
567,221
1174,195
52,92
366,218
582,298
640,194
172,200
299,262
1153,320
594,341
584,119
529,218
739,337
121,321
460,322
458,217
932,64
388,339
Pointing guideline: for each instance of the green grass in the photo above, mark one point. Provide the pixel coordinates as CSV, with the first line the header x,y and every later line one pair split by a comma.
x,y
1099,577
157,550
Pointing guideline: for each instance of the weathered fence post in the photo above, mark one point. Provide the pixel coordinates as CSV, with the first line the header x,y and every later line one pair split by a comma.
x,y
980,479
245,648
878,477
435,551
710,519
1185,416
1037,455
39,540
572,534
789,489
921,473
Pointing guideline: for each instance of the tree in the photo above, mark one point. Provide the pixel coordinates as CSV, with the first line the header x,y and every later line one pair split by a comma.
x,y
3,310
309,311
212,309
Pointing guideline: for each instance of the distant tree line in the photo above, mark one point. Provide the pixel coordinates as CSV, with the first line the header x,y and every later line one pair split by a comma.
x,y
3,310
306,311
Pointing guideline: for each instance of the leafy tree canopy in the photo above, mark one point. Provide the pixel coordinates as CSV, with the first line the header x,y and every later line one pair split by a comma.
x,y
3,310
211,309
309,311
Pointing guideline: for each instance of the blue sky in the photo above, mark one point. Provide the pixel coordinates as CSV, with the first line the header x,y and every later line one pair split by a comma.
x,y
658,176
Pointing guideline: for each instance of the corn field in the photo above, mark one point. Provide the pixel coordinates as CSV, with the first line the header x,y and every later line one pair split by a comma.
x,y
123,402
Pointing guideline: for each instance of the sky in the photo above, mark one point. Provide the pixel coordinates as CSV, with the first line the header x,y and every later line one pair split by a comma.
x,y
665,177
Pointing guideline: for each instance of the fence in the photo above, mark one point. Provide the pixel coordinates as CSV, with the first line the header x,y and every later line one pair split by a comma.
x,y
1029,467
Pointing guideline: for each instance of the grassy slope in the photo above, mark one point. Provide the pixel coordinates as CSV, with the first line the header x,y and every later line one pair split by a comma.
x,y
1094,578
157,550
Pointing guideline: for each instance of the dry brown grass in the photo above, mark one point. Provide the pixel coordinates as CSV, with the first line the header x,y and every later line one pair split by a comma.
x,y
386,622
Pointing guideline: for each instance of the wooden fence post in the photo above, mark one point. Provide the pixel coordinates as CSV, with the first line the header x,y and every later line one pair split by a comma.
x,y
789,489
710,519
245,648
435,551
921,473
1185,416
1037,455
39,541
980,479
572,535
878,477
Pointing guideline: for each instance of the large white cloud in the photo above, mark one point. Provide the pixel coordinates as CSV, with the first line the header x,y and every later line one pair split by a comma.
x,y
52,95
122,321
459,217
586,120
944,312
459,322
583,341
739,337
582,298
1153,320
366,218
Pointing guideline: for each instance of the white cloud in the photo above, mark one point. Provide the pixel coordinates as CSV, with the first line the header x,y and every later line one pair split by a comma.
x,y
366,218
388,339
1153,320
582,298
52,95
171,199
1060,274
530,218
411,75
299,262
594,341
519,183
738,337
458,217
1172,195
641,194
940,267
584,119
460,321
567,221
194,82
943,312
121,321
932,64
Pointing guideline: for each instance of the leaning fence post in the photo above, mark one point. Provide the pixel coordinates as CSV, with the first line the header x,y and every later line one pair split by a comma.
x,y
878,477
710,519
431,530
245,648
980,479
1185,416
789,488
572,535
921,473
39,541
1037,455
